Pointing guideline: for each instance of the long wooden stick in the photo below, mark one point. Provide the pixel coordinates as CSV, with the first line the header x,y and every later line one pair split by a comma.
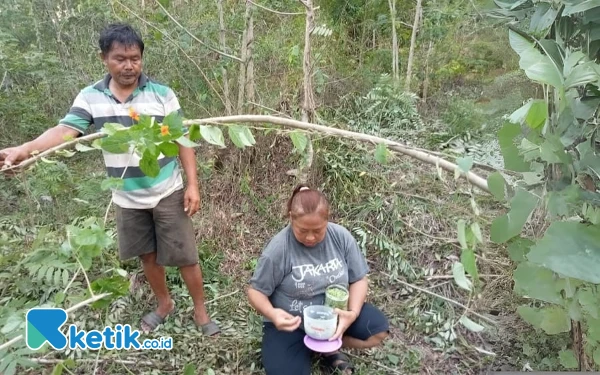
x,y
473,178
70,309
49,361
468,310
423,156
274,11
62,146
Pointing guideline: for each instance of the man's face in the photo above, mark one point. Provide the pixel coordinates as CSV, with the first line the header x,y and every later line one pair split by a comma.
x,y
124,63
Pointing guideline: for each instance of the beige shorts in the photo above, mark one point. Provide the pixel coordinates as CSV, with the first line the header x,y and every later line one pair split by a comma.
x,y
166,229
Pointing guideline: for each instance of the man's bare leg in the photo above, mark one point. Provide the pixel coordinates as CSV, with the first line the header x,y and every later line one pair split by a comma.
x,y
192,276
155,274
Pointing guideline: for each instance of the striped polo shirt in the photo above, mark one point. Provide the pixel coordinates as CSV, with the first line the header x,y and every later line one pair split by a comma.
x,y
96,105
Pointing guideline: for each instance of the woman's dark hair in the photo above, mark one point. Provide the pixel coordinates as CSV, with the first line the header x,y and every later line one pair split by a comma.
x,y
122,34
305,200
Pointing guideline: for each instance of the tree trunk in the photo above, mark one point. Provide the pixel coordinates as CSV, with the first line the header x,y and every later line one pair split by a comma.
x,y
308,105
395,62
413,39
250,88
228,105
242,80
374,43
426,82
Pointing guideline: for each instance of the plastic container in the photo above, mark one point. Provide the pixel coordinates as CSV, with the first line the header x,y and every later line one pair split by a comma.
x,y
320,322
336,296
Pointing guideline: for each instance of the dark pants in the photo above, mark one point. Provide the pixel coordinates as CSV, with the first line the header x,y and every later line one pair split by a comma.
x,y
284,353
166,229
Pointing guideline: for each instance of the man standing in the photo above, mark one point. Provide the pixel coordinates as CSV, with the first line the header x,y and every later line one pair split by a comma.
x,y
153,214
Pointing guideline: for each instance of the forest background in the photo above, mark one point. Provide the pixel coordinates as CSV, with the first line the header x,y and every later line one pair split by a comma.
x,y
496,275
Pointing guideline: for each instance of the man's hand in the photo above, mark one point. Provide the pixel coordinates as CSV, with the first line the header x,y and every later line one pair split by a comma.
x,y
345,320
12,156
191,200
284,321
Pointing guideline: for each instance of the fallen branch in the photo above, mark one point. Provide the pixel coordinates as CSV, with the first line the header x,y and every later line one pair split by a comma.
x,y
442,297
476,180
223,296
423,156
274,11
449,240
62,146
388,370
47,361
443,277
69,310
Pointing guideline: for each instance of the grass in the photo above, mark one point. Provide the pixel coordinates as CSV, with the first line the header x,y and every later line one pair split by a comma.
x,y
403,214
240,211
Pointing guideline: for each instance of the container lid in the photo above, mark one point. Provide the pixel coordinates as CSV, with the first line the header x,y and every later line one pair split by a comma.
x,y
322,346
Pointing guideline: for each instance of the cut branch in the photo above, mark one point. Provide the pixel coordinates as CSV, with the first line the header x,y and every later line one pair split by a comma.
x,y
62,146
421,155
69,310
274,11
195,37
467,310
136,362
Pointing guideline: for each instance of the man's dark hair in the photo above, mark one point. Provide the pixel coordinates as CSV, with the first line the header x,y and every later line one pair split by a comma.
x,y
119,33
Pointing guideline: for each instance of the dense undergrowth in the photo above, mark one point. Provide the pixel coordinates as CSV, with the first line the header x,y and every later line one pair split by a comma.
x,y
403,213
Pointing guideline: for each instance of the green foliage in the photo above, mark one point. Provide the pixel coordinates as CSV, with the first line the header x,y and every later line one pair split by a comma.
x,y
559,270
47,276
386,111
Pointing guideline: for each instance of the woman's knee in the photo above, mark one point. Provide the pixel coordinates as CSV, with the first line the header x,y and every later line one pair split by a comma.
x,y
376,339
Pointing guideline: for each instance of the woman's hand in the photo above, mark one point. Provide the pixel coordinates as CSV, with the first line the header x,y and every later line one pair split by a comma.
x,y
284,321
345,320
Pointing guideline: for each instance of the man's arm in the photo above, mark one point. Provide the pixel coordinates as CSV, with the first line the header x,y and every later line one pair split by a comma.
x,y
50,138
187,155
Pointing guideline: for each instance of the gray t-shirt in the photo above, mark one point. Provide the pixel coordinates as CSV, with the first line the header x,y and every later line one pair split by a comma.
x,y
294,276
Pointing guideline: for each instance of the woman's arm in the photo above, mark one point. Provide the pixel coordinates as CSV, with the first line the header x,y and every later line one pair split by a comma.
x,y
358,295
280,318
260,302
356,299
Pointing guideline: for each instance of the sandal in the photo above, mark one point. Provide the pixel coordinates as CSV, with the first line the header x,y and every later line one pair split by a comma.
x,y
209,329
153,320
338,361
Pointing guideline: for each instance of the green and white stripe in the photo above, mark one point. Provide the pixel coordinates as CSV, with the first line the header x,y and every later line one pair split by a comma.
x,y
95,105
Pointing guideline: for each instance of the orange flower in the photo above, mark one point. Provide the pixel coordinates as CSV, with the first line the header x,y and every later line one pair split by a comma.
x,y
164,130
133,114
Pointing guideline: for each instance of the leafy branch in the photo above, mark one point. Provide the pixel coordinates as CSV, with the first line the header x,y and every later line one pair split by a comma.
x,y
240,136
